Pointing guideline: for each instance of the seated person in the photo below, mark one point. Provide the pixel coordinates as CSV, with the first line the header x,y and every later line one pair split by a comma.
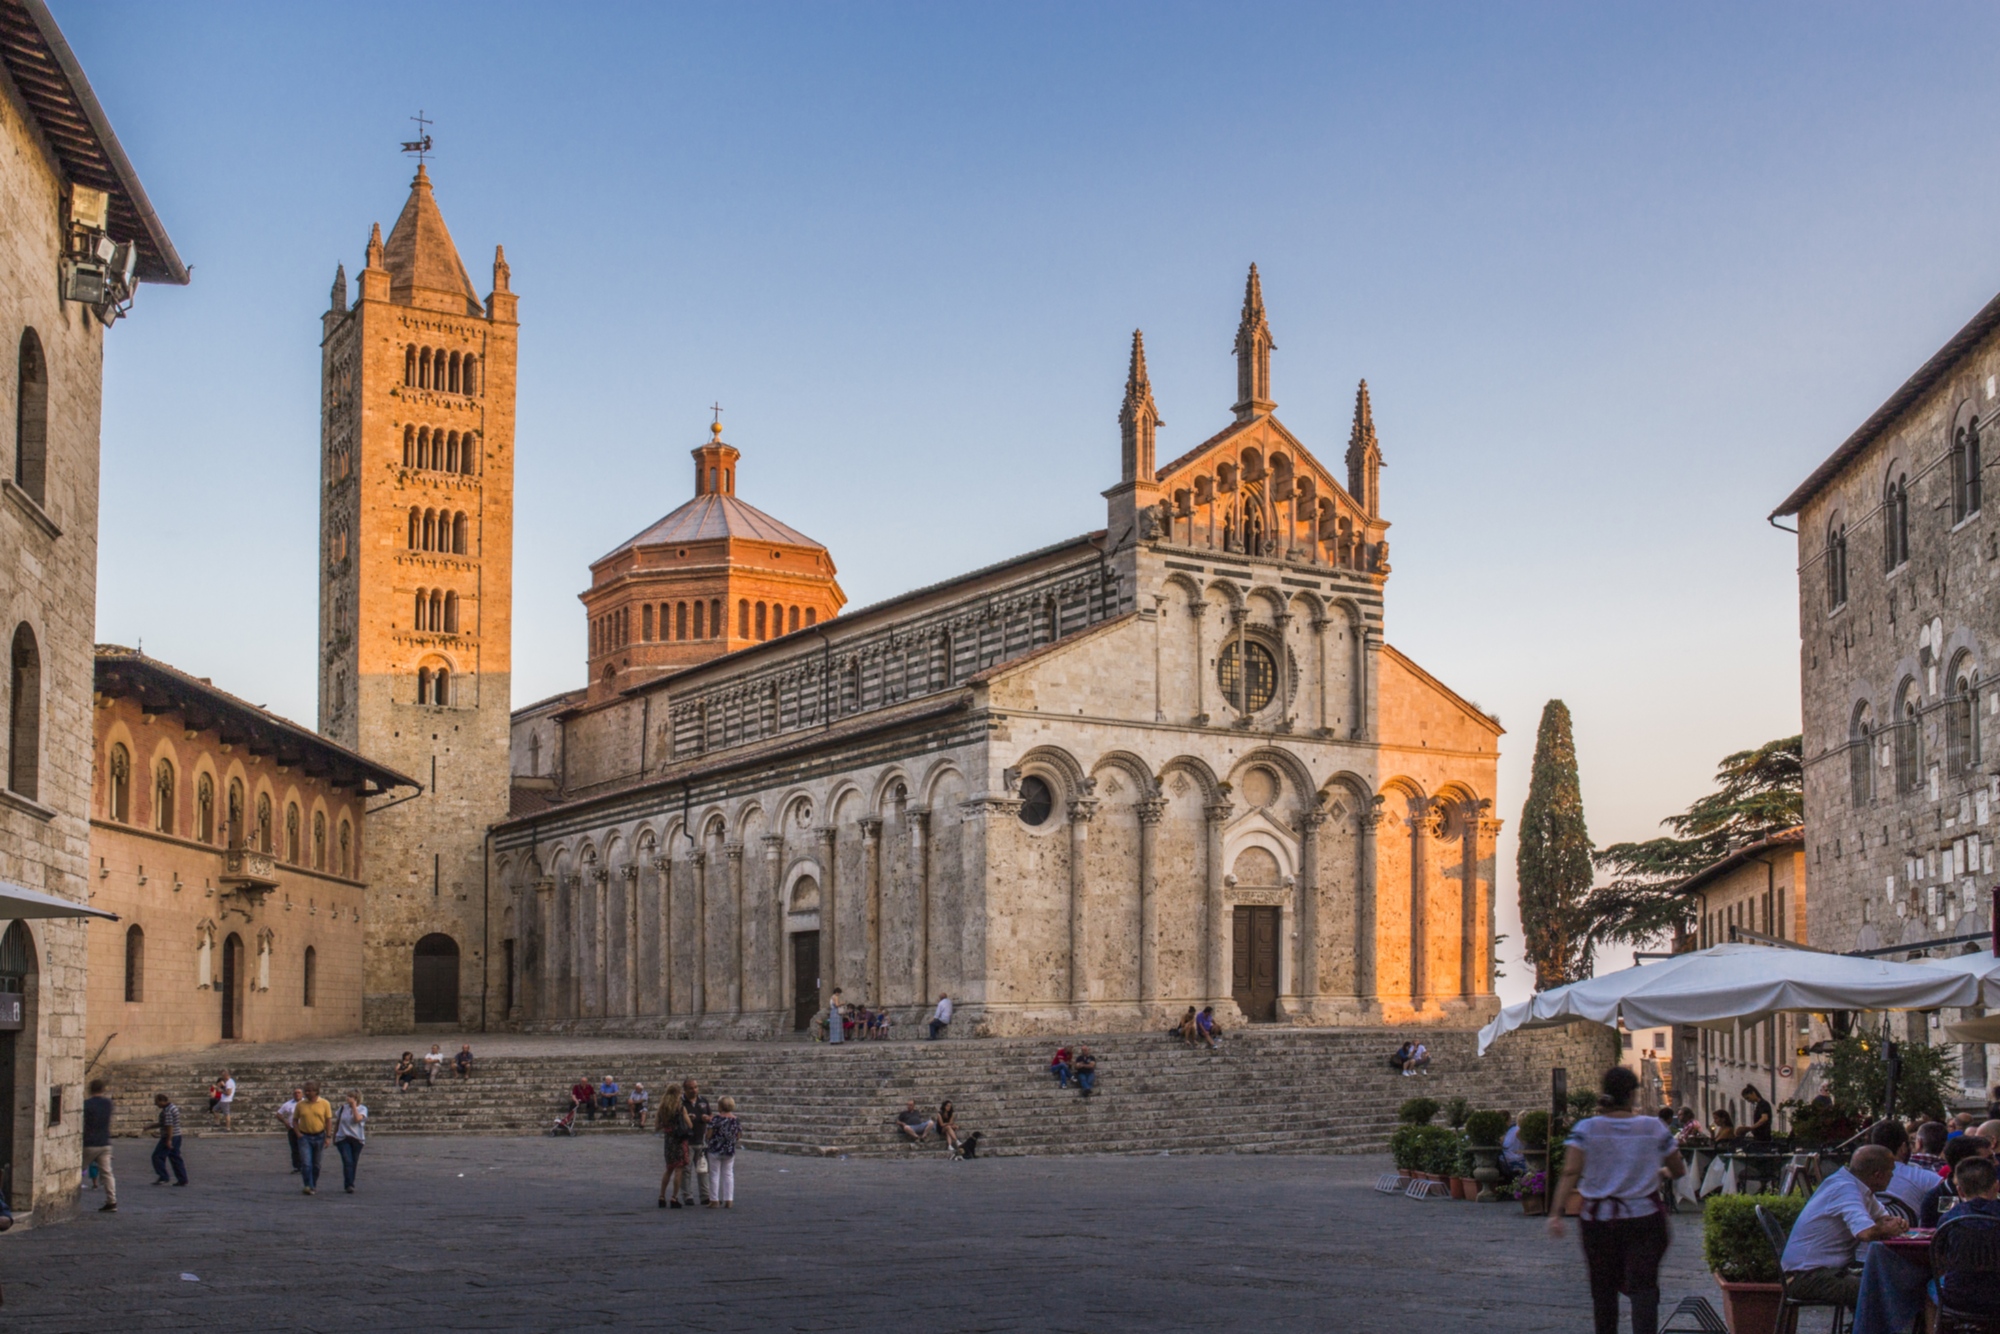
x,y
637,1102
913,1123
1960,1124
1400,1062
1513,1154
1085,1069
583,1098
1059,1067
1689,1127
1420,1059
878,1024
1724,1129
1944,1194
1928,1151
1841,1217
406,1072
1910,1184
607,1097
1187,1030
461,1064
1210,1031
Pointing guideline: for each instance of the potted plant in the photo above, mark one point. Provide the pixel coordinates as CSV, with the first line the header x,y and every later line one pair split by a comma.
x,y
1483,1132
1440,1152
1737,1253
1455,1112
1535,1139
1532,1191
1406,1149
1417,1112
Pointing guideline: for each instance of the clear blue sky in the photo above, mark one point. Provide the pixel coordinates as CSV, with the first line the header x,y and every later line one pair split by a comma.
x,y
1617,277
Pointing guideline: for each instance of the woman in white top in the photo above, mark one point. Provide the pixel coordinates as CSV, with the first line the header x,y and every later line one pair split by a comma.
x,y
350,1136
1617,1162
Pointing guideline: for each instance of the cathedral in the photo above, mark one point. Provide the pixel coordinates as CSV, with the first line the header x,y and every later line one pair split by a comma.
x,y
1171,762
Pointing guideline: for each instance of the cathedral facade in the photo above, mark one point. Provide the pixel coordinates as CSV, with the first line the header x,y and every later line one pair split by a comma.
x,y
1172,762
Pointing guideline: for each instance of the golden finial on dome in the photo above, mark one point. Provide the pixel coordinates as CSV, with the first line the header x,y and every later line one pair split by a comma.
x,y
716,429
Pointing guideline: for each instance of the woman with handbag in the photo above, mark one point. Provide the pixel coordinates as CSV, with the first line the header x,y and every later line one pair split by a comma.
x,y
678,1127
724,1130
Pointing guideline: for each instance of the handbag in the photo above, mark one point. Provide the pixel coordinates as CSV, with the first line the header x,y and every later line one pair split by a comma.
x,y
701,1162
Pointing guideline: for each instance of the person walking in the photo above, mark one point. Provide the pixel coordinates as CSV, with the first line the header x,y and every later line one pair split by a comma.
x,y
678,1128
285,1110
350,1136
696,1182
723,1133
1616,1160
312,1118
97,1143
225,1099
941,1016
167,1148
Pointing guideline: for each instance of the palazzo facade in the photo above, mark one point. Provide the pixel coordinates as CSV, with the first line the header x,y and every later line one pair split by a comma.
x,y
1172,762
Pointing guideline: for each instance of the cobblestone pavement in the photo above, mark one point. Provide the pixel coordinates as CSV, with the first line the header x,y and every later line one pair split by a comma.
x,y
535,1234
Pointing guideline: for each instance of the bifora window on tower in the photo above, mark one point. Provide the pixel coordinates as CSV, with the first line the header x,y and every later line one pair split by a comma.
x,y
1248,690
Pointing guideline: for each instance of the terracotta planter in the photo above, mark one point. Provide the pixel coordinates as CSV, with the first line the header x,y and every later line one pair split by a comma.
x,y
1751,1308
1405,1173
1534,1206
1462,1188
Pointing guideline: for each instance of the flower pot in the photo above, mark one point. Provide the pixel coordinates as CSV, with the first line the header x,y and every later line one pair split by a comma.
x,y
1486,1173
1751,1308
1405,1173
1462,1188
1534,1206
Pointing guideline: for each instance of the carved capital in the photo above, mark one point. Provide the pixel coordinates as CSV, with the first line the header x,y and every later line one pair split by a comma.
x,y
696,857
1218,812
825,834
546,885
733,851
1083,810
1310,821
1428,820
1151,810
600,874
1196,607
574,882
631,874
774,846
1319,624
1238,615
660,864
978,808
871,828
920,818
1489,828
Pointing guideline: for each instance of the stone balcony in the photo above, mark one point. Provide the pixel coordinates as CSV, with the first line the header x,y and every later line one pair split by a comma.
x,y
249,871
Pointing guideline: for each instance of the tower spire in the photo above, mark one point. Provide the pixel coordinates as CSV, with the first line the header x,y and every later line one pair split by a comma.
x,y
338,298
1254,346
1139,418
1364,456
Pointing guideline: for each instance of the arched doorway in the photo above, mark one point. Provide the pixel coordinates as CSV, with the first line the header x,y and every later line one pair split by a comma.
x,y
803,927
17,1052
1255,936
232,986
434,979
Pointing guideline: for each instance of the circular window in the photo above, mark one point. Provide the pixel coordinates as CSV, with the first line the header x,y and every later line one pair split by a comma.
x,y
1248,690
1036,801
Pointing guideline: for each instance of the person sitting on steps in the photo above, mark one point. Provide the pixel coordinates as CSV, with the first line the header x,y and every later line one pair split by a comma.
x,y
406,1071
1085,1069
1205,1025
583,1098
461,1064
1059,1067
913,1123
1185,1029
1419,1061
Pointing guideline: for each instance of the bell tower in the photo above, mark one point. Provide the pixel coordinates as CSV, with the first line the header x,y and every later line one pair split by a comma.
x,y
416,593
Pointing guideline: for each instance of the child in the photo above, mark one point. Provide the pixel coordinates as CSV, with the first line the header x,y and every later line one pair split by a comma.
x,y
724,1130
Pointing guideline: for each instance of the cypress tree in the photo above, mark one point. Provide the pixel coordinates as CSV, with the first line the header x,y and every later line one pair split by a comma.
x,y
1553,863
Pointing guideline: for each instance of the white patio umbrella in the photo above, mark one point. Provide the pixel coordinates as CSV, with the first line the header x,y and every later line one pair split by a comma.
x,y
20,901
1738,983
1979,964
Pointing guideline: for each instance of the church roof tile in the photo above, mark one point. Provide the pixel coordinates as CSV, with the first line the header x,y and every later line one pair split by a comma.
x,y
419,252
713,516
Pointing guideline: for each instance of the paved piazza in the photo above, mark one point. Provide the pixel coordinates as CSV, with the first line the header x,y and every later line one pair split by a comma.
x,y
531,1234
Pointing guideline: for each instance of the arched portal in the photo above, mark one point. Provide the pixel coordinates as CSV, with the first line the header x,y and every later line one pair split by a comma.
x,y
17,1056
434,979
232,987
804,914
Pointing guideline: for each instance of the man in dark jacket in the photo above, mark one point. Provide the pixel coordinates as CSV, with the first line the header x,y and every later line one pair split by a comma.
x,y
698,1116
97,1143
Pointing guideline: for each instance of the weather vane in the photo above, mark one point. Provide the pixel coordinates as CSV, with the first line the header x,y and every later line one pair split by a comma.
x,y
420,145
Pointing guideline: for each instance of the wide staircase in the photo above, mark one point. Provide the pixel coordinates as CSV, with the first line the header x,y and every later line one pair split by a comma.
x,y
1263,1091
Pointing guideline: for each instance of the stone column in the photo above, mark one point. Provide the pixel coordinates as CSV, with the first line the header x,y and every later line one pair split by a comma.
x,y
1308,970
631,874
1283,659
1197,606
1216,814
663,867
774,868
1488,830
1081,812
829,907
698,867
1150,812
1239,617
1366,822
871,882
1423,830
600,945
545,953
1319,625
573,942
920,860
737,957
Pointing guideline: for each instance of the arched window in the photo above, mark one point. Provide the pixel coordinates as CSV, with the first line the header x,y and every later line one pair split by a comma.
x,y
812,615
409,446
24,715
424,368
430,530
467,454
423,685
416,529
163,797
423,606
646,623
118,792
135,964
760,621
1896,522
423,446
461,534
792,620
1836,565
1906,739
681,621
236,832
451,374
441,688
451,452
310,972
319,840
1965,489
1961,718
437,609
438,369
714,619
1861,755
468,382
410,367
204,808
31,419
743,618
292,849
265,835
346,848
451,613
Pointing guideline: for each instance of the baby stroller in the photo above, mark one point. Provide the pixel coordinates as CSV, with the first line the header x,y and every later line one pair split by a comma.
x,y
566,1123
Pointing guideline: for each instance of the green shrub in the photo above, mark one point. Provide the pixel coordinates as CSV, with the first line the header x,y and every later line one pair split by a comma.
x,y
1582,1103
1455,1112
1466,1164
1534,1130
1855,1077
1405,1146
1733,1245
1418,1112
1437,1150
1486,1128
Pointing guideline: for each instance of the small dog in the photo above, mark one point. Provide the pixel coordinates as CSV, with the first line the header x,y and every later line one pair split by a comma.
x,y
967,1147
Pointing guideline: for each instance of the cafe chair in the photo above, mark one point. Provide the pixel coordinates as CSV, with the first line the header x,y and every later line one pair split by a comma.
x,y
1900,1208
1965,1247
1778,1234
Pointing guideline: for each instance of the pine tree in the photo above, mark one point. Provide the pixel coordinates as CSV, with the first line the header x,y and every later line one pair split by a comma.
x,y
1553,865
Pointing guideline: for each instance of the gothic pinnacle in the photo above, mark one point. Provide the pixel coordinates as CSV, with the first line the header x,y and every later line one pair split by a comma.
x,y
1364,419
1253,349
339,296
1139,417
375,246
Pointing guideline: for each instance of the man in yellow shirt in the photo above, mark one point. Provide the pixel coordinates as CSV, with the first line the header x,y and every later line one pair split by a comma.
x,y
312,1118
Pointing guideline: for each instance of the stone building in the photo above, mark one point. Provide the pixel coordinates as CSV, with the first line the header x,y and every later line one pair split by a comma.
x,y
416,584
1169,763
232,844
1761,888
77,234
